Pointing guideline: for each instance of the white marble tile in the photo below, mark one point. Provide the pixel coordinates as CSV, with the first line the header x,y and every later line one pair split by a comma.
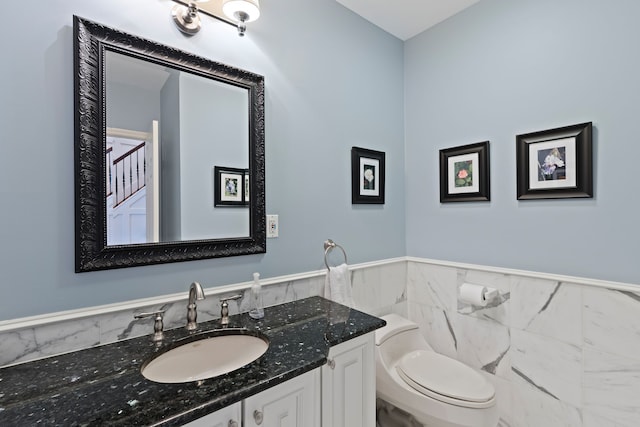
x,y
304,288
503,398
534,409
274,294
612,321
496,310
591,420
122,325
379,286
400,308
380,311
612,387
437,328
547,366
281,293
483,345
546,307
432,285
18,346
55,338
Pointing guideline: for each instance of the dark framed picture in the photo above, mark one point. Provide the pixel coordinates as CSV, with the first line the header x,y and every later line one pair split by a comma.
x,y
246,186
555,163
464,173
229,186
367,176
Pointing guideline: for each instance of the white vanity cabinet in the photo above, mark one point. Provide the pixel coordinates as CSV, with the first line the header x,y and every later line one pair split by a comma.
x,y
341,393
349,384
294,403
230,416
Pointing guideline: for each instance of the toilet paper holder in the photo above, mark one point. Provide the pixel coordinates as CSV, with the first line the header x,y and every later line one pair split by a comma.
x,y
477,295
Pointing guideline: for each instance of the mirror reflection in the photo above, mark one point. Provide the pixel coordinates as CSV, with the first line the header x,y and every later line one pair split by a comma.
x,y
167,131
169,153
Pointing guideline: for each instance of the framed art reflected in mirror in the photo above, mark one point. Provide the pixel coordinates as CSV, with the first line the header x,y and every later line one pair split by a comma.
x,y
230,186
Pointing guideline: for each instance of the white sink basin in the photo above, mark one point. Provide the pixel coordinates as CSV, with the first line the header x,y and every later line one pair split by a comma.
x,y
212,354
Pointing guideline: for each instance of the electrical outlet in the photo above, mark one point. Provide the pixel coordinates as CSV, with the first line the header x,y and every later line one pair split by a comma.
x,y
272,226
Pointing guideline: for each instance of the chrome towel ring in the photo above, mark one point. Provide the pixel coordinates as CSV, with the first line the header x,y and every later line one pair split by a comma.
x,y
330,245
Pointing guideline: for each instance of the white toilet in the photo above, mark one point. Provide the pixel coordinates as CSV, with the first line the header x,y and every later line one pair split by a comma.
x,y
437,390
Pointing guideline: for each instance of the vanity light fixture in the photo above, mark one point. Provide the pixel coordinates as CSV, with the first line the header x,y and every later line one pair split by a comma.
x,y
241,11
186,17
237,13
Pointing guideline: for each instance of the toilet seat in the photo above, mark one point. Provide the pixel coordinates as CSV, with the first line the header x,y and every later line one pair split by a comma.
x,y
445,379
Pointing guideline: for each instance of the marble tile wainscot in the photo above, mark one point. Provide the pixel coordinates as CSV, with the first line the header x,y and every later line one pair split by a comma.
x,y
379,288
561,351
103,385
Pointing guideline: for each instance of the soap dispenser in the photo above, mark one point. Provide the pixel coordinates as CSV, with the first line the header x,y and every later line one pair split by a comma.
x,y
257,310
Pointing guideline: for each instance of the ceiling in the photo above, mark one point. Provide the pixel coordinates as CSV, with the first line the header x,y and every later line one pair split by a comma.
x,y
401,18
406,18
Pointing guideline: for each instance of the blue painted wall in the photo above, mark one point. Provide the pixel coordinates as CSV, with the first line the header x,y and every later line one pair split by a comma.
x,y
208,125
502,68
332,81
137,107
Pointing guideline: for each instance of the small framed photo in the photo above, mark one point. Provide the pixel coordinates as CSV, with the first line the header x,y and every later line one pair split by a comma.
x,y
367,176
555,163
246,186
464,173
229,186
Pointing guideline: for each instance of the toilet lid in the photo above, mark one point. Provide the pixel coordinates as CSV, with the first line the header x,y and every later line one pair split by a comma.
x,y
445,379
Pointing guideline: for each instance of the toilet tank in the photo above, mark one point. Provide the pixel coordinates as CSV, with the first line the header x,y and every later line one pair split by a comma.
x,y
399,337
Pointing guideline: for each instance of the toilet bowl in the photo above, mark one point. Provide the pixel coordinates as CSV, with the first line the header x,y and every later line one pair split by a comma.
x,y
437,390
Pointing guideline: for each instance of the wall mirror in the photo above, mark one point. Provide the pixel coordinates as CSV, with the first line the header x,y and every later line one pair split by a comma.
x,y
153,125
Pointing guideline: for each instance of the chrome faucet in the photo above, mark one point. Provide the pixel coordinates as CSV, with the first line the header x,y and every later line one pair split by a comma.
x,y
195,293
224,308
158,325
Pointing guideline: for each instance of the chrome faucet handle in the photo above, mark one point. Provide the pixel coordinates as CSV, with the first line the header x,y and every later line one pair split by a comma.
x,y
195,293
224,308
158,324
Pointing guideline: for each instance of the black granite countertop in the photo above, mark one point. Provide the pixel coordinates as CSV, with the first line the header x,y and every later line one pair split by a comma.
x,y
103,385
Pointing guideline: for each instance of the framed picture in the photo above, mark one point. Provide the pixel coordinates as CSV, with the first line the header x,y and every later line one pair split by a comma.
x,y
229,186
464,173
246,186
367,176
555,163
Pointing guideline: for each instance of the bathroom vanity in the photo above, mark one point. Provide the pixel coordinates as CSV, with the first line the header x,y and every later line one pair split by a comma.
x,y
339,394
319,365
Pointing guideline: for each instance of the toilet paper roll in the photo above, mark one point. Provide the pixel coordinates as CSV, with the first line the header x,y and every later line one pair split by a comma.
x,y
474,294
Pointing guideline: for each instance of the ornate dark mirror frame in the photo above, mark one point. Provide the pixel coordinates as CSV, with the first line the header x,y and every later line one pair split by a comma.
x,y
91,41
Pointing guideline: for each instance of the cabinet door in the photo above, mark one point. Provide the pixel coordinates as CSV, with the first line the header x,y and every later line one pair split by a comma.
x,y
295,403
231,416
349,385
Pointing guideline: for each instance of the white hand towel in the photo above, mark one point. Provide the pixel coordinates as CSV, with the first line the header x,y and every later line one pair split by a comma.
x,y
337,285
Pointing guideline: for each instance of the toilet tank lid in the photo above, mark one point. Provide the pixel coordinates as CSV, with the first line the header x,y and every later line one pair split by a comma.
x,y
395,325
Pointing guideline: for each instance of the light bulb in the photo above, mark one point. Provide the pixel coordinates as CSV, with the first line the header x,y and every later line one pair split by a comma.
x,y
241,10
